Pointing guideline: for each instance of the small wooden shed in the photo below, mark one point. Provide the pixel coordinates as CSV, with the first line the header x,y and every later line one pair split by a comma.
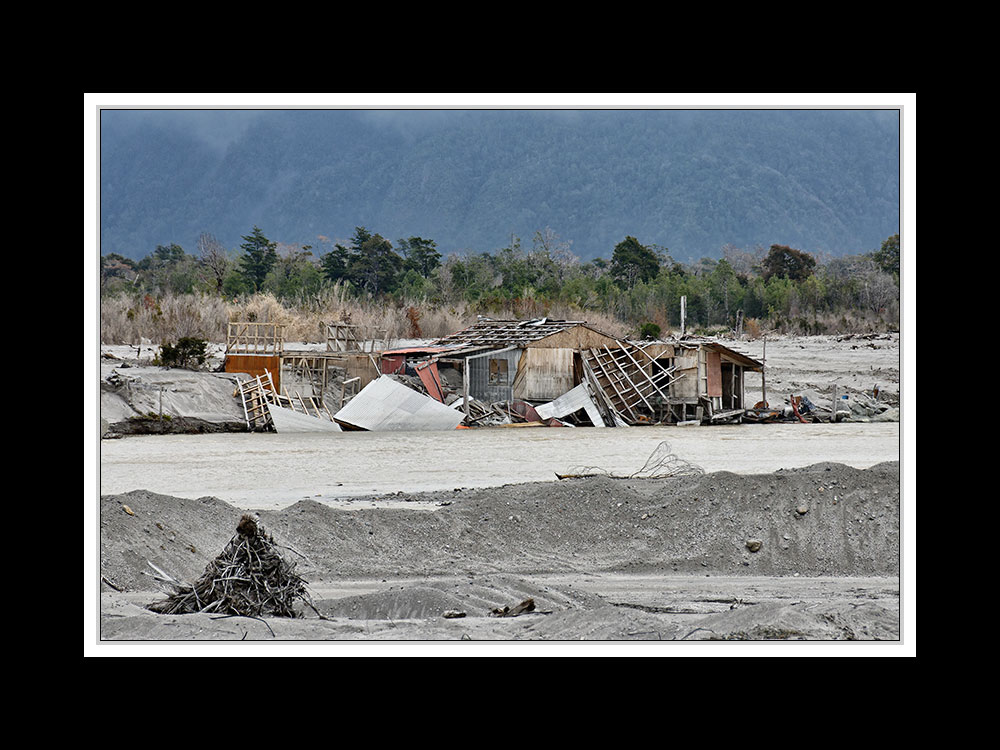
x,y
530,360
710,377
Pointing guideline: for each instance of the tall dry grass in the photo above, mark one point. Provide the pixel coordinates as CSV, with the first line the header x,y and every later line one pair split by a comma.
x,y
128,320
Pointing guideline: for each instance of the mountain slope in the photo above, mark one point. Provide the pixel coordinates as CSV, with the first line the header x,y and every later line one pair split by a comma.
x,y
690,181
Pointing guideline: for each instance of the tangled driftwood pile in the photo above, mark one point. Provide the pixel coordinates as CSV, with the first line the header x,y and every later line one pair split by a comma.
x,y
249,578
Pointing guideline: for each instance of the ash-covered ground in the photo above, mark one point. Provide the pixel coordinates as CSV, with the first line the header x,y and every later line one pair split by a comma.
x,y
805,554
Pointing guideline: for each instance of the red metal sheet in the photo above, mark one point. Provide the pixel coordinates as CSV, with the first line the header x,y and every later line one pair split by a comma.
x,y
255,364
526,410
392,364
429,376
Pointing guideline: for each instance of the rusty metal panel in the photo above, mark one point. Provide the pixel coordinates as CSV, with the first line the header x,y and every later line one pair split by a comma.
x,y
429,376
391,364
255,364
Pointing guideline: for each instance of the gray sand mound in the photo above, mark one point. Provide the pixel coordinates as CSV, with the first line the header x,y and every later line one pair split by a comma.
x,y
469,553
828,519
179,535
467,596
800,621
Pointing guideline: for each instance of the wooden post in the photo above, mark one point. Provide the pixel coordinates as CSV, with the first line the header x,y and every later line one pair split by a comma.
x,y
465,389
684,300
763,367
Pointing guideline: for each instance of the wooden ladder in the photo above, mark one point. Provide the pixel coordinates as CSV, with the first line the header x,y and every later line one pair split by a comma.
x,y
255,394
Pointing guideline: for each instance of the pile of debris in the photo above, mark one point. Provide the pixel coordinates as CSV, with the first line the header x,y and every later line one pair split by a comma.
x,y
521,373
508,414
403,402
249,578
857,406
797,409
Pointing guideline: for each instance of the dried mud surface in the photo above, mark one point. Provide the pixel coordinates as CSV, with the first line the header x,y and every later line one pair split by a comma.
x,y
808,554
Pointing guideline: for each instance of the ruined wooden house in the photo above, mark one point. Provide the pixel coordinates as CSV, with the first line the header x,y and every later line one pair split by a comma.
x,y
709,384
539,361
492,361
528,360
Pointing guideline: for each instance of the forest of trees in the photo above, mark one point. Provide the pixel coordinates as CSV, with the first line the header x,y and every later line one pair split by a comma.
x,y
776,288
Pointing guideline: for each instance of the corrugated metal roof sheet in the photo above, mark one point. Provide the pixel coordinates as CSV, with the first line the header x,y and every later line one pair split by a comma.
x,y
385,405
287,420
571,401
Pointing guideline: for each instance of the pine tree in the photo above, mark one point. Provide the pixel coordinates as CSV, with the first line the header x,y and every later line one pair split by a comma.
x,y
887,257
259,257
633,262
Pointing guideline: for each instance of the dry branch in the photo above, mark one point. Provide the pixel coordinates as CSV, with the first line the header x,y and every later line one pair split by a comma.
x,y
249,578
660,464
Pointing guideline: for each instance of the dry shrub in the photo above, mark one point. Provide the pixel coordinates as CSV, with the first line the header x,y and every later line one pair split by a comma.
x,y
260,308
413,316
265,308
606,323
127,320
437,321
306,322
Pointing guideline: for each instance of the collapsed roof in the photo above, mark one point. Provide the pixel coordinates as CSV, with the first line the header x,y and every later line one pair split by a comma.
x,y
694,342
489,332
